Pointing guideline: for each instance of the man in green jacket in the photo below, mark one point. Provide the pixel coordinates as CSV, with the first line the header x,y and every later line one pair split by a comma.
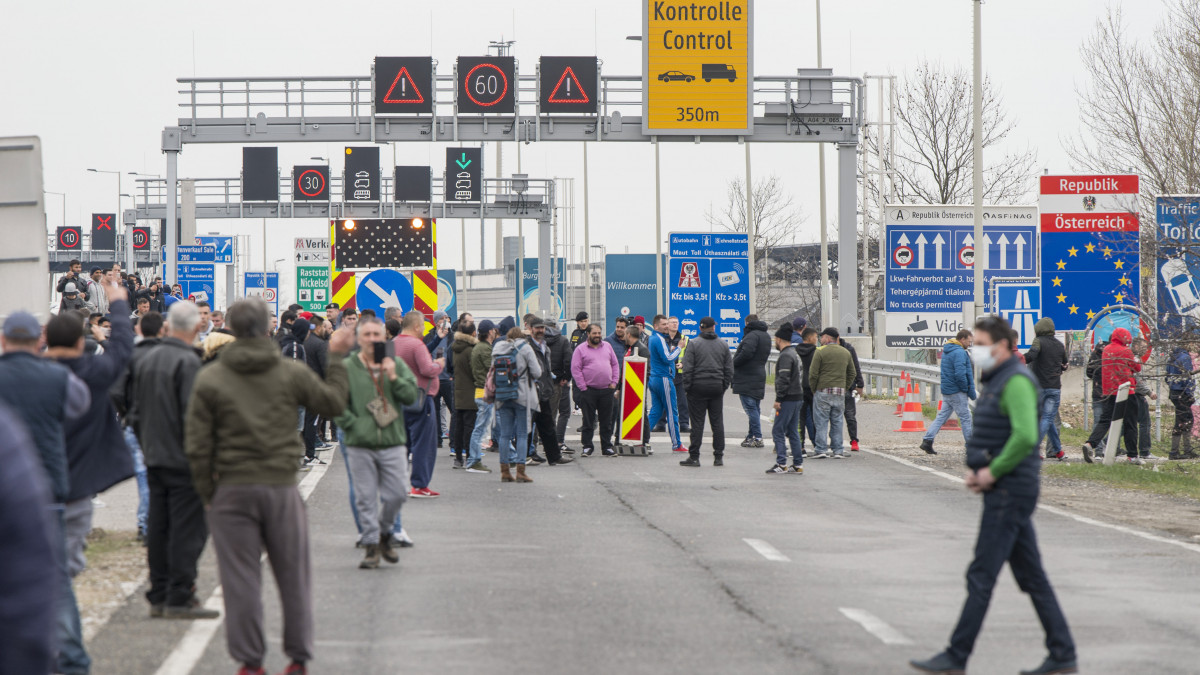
x,y
831,374
377,454
243,459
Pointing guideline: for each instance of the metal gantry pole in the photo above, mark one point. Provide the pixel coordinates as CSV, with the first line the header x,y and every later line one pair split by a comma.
x,y
826,310
751,234
847,303
981,252
587,240
658,274
172,217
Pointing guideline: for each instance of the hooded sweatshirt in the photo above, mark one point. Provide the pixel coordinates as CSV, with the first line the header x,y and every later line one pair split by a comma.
x,y
243,405
464,375
1118,365
359,426
1047,358
292,343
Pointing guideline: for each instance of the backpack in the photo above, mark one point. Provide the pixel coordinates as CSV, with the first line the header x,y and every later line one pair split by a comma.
x,y
504,375
545,383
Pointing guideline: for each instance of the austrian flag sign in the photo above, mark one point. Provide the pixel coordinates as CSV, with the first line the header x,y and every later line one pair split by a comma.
x,y
1090,246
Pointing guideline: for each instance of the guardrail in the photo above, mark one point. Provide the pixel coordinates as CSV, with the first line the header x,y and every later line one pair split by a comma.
x,y
882,378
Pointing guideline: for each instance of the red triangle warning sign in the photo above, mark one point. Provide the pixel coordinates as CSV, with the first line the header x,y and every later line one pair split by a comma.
x,y
568,90
403,89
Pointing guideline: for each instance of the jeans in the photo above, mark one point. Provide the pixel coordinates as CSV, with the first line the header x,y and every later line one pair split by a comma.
x,y
787,430
1047,429
72,657
753,408
513,426
482,431
828,419
1006,534
959,404
139,468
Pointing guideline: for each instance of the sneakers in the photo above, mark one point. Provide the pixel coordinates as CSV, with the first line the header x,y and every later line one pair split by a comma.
x,y
423,493
1135,460
587,452
823,455
312,461
927,446
690,461
748,442
458,463
1052,666
1088,454
478,467
717,461
796,468
247,670
758,442
192,610
1060,456
562,459
536,459
564,449
839,455
295,668
679,449
777,469
609,452
854,446
386,550
401,539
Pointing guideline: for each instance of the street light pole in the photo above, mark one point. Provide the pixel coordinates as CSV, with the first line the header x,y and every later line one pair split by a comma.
x,y
977,157
64,204
826,310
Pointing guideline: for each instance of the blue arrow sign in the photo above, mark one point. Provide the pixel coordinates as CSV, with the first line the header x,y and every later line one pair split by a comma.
x,y
1021,305
384,288
223,246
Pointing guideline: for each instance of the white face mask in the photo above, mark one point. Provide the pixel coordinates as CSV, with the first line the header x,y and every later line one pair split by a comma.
x,y
982,356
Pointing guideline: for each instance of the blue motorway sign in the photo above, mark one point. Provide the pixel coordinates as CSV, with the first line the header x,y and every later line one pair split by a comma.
x,y
528,297
265,286
1178,219
709,275
629,283
194,254
223,245
1021,305
196,277
383,288
930,265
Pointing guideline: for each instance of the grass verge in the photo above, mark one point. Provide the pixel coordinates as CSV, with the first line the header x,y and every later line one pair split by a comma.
x,y
1174,479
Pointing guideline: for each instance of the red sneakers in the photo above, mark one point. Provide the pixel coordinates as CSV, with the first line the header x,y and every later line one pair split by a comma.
x,y
295,669
854,445
680,449
247,670
424,493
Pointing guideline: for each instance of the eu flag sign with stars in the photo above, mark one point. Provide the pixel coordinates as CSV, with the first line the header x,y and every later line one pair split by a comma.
x,y
1090,247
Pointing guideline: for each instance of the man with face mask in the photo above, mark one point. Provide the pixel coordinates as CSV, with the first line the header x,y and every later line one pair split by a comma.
x,y
1004,466
958,387
831,375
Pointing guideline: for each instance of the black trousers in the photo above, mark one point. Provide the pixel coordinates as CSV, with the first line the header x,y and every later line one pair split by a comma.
x,y
462,424
681,400
617,421
1110,410
175,535
309,432
444,397
596,403
1183,414
543,426
710,403
563,405
851,416
1006,534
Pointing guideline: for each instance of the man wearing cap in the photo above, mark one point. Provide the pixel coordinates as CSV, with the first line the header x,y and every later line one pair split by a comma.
x,y
831,374
331,314
798,325
46,396
707,373
640,322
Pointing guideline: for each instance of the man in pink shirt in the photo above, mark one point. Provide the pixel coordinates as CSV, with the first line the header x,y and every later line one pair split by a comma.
x,y
595,371
422,425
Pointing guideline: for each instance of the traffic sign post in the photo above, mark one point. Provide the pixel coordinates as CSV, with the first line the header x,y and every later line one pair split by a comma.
x,y
222,245
1021,305
312,287
384,288
70,238
104,235
568,84
265,286
1178,220
486,84
403,84
930,263
1090,246
698,68
709,275
464,175
193,254
310,183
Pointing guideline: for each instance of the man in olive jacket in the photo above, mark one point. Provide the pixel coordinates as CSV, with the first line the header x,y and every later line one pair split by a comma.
x,y
377,455
831,375
238,438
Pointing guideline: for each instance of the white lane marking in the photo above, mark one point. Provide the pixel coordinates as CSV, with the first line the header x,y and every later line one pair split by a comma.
x,y
646,477
767,551
926,469
694,506
875,626
183,659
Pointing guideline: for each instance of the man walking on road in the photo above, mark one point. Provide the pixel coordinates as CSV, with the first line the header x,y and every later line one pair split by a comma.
x,y
662,383
160,389
831,375
1117,367
1005,418
789,402
244,468
421,427
1047,360
750,376
707,373
596,371
376,444
958,388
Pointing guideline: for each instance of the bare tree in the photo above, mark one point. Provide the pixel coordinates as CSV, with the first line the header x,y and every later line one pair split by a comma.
x,y
776,221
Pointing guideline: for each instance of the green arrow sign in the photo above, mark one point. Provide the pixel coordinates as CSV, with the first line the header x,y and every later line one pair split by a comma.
x,y
464,162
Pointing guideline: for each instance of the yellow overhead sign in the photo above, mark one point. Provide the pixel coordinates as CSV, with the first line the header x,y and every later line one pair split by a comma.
x,y
697,67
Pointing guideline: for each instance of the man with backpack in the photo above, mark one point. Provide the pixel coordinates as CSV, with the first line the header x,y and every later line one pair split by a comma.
x,y
514,370
549,390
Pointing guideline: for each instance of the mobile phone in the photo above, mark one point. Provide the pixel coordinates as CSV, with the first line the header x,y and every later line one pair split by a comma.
x,y
380,351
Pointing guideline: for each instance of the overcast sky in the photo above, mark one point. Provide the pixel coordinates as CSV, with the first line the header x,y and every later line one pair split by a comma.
x,y
96,81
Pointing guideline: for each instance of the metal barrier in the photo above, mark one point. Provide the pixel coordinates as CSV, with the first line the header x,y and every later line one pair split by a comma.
x,y
882,378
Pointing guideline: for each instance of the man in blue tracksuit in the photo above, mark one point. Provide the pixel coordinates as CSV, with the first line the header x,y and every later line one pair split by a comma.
x,y
662,382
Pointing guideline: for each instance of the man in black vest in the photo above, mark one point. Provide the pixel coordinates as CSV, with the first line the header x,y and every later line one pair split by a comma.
x,y
46,396
1004,467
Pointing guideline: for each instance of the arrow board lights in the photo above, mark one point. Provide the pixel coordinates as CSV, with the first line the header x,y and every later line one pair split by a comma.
x,y
568,84
393,242
403,84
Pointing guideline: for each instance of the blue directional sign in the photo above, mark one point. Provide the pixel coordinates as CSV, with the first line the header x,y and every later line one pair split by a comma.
x,y
265,286
528,295
629,286
1021,305
384,288
194,277
1178,219
223,245
194,254
709,275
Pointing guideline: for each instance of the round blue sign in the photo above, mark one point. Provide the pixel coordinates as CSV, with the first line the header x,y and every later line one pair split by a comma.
x,y
384,288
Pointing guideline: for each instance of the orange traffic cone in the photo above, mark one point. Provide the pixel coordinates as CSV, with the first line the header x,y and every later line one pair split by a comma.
x,y
952,423
900,394
914,419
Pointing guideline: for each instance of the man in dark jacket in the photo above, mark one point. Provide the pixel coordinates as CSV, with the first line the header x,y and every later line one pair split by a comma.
x,y
958,388
46,396
161,384
789,400
1182,386
462,423
707,373
1047,359
155,296
750,376
616,340
316,351
548,393
805,348
561,351
148,328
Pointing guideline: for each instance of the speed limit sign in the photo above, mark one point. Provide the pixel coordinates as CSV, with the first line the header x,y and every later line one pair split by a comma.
x,y
486,84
